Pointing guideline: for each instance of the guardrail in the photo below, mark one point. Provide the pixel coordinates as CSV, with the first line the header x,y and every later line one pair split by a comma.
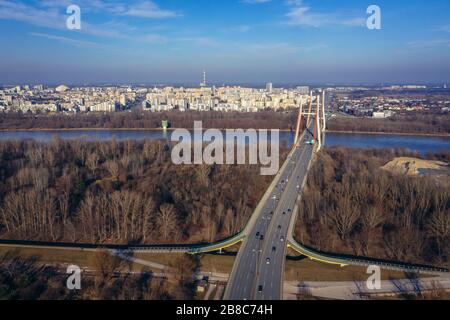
x,y
163,248
192,249
330,258
345,260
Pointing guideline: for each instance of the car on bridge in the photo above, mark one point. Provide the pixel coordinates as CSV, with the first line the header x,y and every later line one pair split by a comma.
x,y
311,142
268,261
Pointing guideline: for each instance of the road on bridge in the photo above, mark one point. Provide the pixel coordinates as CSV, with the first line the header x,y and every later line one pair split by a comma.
x,y
259,266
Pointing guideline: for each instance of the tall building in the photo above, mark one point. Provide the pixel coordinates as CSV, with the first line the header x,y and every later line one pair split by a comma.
x,y
303,90
269,87
123,100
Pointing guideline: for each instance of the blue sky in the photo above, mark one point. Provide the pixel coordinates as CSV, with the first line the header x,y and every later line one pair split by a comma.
x,y
236,41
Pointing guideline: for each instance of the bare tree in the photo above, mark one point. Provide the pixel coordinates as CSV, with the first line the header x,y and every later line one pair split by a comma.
x,y
167,220
92,162
344,217
113,168
439,227
372,218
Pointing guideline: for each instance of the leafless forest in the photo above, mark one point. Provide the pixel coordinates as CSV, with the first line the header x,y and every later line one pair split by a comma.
x,y
120,193
413,123
148,120
353,206
27,279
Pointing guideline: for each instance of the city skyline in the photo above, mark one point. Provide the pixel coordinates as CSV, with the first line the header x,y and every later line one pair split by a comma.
x,y
239,42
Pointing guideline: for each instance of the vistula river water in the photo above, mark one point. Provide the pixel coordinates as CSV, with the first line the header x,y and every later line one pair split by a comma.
x,y
421,144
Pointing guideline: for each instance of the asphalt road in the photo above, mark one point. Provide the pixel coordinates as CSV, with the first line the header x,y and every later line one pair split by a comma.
x,y
258,270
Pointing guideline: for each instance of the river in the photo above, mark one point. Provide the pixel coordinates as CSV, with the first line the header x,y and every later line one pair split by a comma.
x,y
421,144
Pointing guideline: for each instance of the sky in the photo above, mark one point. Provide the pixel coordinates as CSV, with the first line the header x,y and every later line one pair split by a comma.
x,y
235,41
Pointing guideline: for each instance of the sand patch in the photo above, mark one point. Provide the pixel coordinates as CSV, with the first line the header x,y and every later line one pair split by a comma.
x,y
414,166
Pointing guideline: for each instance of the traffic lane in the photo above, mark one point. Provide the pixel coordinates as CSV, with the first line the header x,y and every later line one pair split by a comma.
x,y
277,241
272,281
242,283
272,273
243,287
245,282
286,220
273,270
268,270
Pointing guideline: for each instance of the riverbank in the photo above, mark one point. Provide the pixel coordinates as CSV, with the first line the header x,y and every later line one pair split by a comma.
x,y
125,129
442,135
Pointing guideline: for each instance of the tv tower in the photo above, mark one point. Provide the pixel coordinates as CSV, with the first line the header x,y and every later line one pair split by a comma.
x,y
203,83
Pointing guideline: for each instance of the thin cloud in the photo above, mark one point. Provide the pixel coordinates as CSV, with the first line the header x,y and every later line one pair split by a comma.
x,y
149,9
255,1
200,41
300,14
238,29
152,38
445,28
144,9
49,15
65,40
426,44
18,11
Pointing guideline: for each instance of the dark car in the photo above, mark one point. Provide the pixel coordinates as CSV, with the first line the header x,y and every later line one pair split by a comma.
x,y
260,288
279,227
274,249
261,237
257,234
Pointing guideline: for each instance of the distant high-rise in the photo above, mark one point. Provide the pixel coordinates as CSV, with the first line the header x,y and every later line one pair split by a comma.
x,y
303,90
123,100
269,87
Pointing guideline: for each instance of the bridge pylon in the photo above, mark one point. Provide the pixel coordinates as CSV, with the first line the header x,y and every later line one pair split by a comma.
x,y
315,112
